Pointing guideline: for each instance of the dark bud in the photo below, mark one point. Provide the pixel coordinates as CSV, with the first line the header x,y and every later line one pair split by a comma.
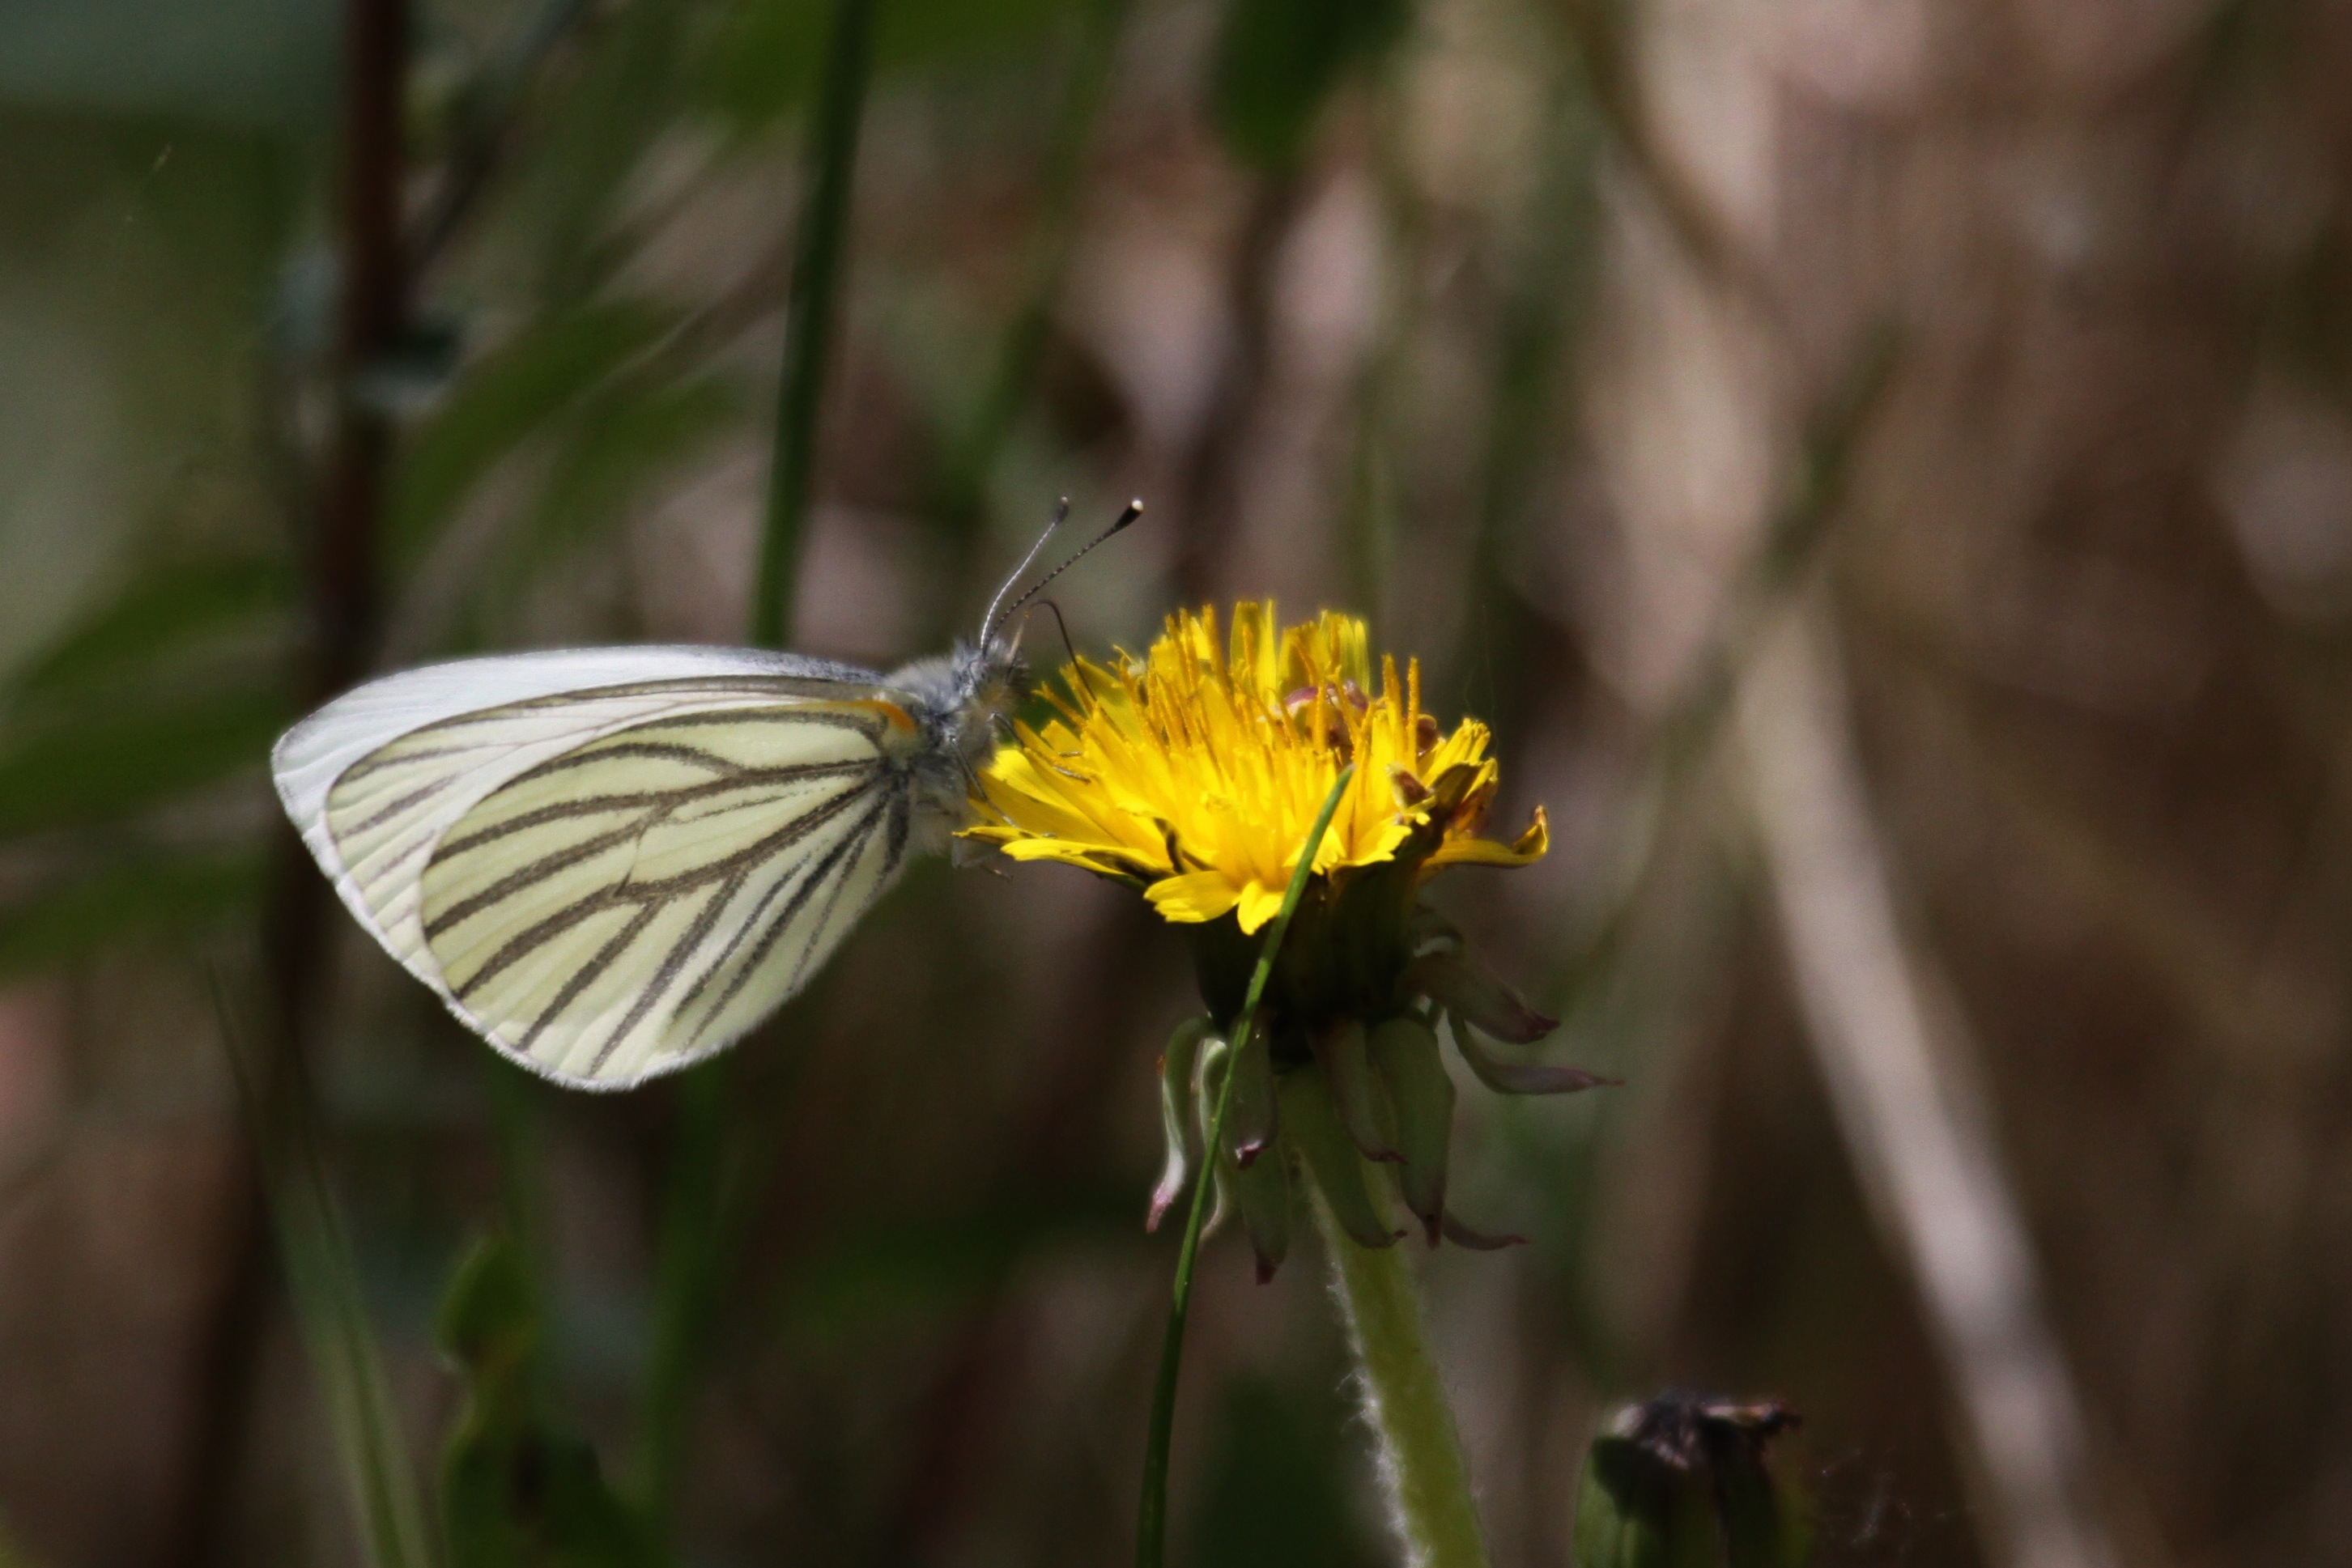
x,y
1682,1481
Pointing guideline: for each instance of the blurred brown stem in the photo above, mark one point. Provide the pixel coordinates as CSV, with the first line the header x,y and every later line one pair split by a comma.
x,y
1915,1119
342,608
1669,749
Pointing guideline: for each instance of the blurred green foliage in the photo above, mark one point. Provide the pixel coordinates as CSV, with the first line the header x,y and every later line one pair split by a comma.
x,y
323,1282
135,815
514,393
765,53
246,62
1278,1493
1278,62
515,1492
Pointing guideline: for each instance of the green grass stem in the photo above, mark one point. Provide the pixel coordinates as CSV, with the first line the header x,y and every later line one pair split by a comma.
x,y
1152,1521
686,1283
322,1278
830,166
695,1242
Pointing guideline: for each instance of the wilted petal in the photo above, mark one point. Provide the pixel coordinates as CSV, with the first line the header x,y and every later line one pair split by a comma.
x,y
1462,1235
1520,1078
1467,990
1177,1069
1525,850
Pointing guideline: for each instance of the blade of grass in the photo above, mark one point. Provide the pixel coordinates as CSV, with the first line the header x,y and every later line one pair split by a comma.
x,y
810,309
322,1278
963,484
686,1284
1152,1520
695,1241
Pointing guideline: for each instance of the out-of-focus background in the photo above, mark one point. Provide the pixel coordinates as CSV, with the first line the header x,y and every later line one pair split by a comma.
x,y
1884,466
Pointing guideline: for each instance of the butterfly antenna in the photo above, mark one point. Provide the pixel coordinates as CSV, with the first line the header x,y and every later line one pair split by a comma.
x,y
1069,647
1134,510
989,623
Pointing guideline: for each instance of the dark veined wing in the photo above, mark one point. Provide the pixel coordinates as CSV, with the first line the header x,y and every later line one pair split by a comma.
x,y
609,863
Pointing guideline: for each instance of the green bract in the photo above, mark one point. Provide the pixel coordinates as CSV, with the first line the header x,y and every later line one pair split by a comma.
x,y
1344,1077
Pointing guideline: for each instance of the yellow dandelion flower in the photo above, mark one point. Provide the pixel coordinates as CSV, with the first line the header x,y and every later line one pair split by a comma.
x,y
1194,772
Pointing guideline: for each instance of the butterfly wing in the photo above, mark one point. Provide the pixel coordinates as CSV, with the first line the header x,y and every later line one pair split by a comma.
x,y
609,863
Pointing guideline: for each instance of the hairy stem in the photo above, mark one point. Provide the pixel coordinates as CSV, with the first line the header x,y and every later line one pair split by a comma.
x,y
1422,1465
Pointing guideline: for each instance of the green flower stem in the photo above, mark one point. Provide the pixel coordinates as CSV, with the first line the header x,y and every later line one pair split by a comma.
x,y
695,1243
1151,1519
1421,1465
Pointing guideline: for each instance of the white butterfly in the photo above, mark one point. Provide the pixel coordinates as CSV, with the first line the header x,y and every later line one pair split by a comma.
x,y
610,863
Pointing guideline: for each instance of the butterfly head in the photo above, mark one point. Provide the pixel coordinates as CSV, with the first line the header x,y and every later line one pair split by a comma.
x,y
972,694
989,679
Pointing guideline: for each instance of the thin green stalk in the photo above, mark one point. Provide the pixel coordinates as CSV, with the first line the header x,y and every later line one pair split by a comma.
x,y
686,1283
706,1215
831,169
1421,1466
322,1278
1151,1523
973,454
695,1241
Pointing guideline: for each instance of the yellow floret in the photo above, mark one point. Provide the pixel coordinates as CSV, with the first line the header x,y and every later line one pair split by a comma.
x,y
1196,776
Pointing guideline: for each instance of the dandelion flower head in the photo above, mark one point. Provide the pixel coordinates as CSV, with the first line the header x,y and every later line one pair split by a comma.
x,y
1195,771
